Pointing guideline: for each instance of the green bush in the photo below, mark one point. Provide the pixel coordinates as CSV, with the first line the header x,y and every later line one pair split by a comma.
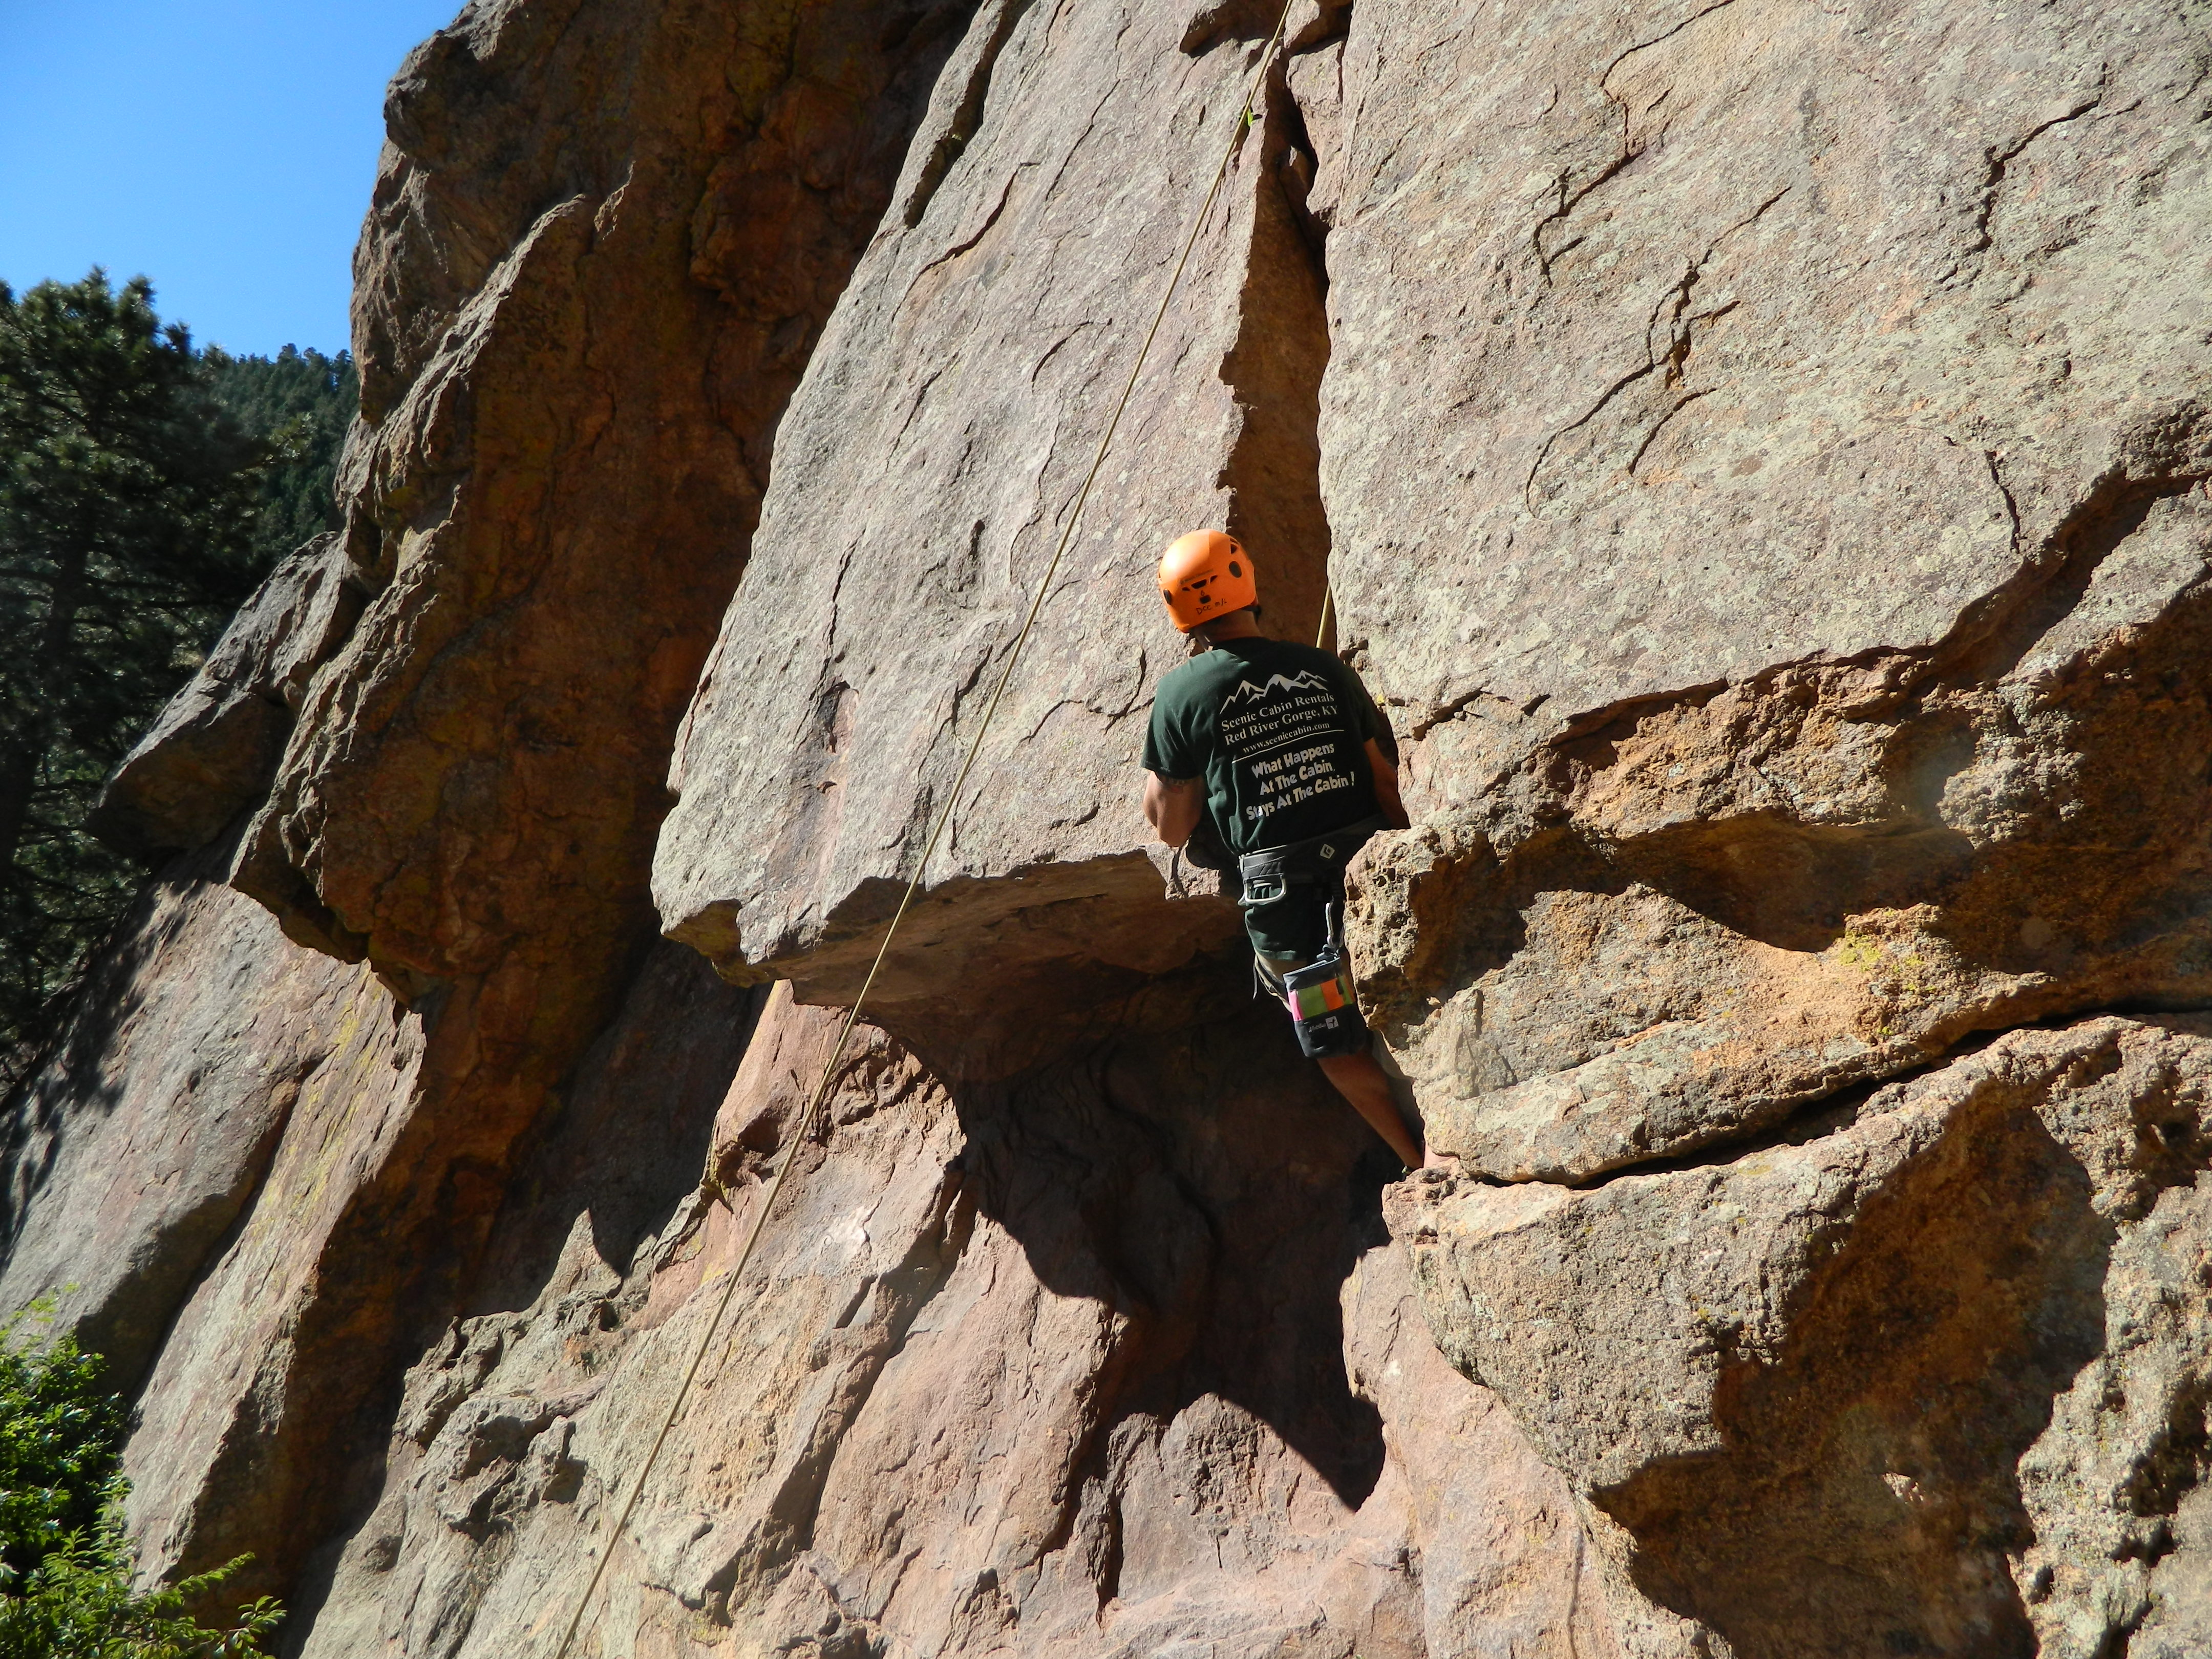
x,y
61,1440
78,1604
65,1565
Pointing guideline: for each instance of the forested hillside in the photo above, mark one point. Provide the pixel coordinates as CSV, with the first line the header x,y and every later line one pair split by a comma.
x,y
297,402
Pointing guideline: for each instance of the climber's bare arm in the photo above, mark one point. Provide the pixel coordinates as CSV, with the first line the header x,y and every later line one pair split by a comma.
x,y
1172,806
1386,787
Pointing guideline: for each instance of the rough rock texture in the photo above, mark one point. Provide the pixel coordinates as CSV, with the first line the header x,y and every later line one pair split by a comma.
x,y
1061,1331
1929,359
1779,330
1827,875
1913,358
131,1156
1931,1376
1761,453
546,572
468,794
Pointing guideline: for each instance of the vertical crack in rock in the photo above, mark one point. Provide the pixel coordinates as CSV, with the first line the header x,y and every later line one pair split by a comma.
x,y
969,75
1274,369
1796,728
902,453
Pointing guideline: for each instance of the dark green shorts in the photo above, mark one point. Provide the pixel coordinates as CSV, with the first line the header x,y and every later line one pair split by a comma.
x,y
1294,927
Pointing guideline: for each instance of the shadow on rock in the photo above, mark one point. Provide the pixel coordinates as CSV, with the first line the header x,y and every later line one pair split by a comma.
x,y
1205,1182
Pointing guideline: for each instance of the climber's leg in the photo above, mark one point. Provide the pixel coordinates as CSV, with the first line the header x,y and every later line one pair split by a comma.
x,y
1363,1082
1358,1075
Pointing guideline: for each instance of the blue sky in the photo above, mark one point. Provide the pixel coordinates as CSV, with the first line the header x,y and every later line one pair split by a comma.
x,y
223,148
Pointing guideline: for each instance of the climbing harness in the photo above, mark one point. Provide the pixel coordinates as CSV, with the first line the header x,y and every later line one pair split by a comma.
x,y
1273,873
805,1122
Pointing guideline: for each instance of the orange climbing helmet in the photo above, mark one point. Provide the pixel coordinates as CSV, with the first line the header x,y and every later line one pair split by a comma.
x,y
1205,575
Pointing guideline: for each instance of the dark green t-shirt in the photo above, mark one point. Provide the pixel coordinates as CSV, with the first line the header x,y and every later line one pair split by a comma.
x,y
1277,731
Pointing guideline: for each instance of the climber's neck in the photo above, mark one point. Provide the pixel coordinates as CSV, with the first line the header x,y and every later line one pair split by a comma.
x,y
1236,625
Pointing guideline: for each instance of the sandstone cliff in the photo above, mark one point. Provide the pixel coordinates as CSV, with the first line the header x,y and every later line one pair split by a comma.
x,y
1762,454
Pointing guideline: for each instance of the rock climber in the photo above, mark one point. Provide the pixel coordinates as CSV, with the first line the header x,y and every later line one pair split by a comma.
x,y
1270,749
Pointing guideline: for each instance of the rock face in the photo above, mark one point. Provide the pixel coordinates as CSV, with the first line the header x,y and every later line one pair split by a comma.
x,y
132,1156
1761,455
1086,1348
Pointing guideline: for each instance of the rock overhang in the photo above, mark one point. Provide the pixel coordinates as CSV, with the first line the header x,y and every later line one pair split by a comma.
x,y
989,972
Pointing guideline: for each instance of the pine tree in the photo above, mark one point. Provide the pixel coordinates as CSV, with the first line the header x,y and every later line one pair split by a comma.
x,y
128,502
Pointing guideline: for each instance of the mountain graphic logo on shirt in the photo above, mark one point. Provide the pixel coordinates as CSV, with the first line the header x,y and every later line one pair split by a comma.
x,y
1247,691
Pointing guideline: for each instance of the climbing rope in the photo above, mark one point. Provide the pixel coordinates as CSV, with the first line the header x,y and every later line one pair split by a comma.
x,y
937,833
